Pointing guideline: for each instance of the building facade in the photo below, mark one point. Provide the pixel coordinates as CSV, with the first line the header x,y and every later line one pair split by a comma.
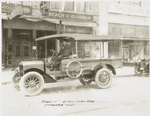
x,y
130,19
23,21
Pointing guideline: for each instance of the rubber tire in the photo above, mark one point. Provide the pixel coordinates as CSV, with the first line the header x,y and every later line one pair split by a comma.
x,y
22,88
97,78
136,73
85,82
67,71
13,82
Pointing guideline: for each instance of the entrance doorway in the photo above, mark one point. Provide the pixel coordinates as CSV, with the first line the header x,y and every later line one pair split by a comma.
x,y
21,51
22,45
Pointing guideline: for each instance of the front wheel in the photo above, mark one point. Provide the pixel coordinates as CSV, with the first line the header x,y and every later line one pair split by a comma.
x,y
31,83
103,78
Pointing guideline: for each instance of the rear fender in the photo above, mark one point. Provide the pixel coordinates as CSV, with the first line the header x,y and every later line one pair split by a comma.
x,y
104,65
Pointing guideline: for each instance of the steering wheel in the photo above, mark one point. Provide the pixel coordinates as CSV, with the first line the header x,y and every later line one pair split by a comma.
x,y
74,69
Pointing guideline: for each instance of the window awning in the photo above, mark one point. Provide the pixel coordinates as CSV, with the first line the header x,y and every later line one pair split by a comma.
x,y
32,18
39,18
136,38
4,16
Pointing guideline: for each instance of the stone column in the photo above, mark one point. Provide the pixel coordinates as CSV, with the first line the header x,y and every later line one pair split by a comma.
x,y
103,18
103,23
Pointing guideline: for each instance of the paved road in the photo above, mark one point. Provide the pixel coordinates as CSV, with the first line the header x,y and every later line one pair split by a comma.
x,y
127,96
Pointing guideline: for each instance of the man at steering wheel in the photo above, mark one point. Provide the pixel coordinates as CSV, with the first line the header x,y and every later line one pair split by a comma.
x,y
65,52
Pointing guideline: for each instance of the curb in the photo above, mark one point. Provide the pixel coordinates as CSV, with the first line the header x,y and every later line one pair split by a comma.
x,y
5,83
124,75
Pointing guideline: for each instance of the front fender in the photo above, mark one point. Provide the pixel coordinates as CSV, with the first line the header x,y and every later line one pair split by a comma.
x,y
15,69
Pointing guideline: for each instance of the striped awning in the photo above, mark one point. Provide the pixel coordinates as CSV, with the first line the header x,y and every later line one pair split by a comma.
x,y
4,16
39,18
56,21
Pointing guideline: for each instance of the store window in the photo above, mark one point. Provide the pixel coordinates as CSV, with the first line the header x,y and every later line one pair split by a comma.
x,y
18,51
15,2
89,7
26,3
57,5
80,6
127,3
130,3
26,51
136,3
9,48
69,6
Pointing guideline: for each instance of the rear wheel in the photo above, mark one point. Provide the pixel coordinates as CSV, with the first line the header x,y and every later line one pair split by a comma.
x,y
103,78
31,83
85,81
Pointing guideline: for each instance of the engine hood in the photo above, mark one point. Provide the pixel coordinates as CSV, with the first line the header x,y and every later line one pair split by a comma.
x,y
32,64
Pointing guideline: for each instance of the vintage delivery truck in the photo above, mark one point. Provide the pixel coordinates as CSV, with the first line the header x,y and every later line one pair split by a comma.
x,y
93,59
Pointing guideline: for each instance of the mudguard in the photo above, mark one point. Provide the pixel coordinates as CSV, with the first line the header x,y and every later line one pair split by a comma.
x,y
105,65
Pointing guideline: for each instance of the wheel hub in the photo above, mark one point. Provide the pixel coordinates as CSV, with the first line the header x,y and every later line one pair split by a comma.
x,y
32,83
103,78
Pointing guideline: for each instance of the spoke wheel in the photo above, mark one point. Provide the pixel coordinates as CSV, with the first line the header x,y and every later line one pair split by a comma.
x,y
31,83
15,80
74,69
137,71
103,78
85,81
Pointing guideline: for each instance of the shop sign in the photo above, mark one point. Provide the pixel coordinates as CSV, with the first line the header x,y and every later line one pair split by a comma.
x,y
121,9
8,8
70,16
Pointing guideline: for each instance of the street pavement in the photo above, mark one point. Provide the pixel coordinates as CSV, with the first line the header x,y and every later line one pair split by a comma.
x,y
7,73
127,96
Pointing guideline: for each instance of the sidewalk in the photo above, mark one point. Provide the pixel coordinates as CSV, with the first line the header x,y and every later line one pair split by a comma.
x,y
6,73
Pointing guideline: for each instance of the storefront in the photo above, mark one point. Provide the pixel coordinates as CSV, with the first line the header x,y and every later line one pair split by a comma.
x,y
133,24
20,28
19,34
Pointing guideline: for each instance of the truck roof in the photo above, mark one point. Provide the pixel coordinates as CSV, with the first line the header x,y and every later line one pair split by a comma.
x,y
81,37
